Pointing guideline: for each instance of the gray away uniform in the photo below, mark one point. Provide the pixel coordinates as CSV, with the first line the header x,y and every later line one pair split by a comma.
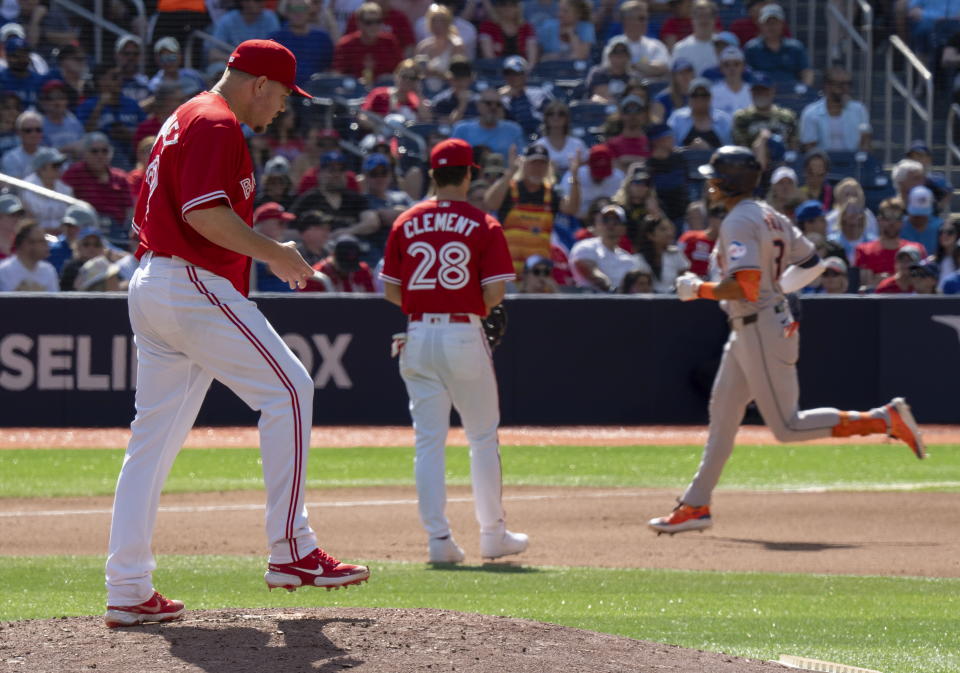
x,y
760,357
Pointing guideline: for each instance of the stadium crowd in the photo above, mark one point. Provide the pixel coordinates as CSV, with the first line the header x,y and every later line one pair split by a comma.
x,y
588,117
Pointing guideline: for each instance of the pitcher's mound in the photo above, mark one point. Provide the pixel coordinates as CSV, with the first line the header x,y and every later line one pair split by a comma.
x,y
342,639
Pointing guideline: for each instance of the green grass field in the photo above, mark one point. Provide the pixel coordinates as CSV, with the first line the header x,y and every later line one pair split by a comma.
x,y
891,624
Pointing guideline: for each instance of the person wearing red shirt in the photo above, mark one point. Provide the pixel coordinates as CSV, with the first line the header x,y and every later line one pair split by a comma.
x,y
446,265
101,185
193,323
343,271
402,98
166,99
877,259
632,144
748,27
680,25
697,244
395,22
370,51
508,34
900,282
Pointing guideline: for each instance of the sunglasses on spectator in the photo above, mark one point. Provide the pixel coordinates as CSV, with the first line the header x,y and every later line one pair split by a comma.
x,y
379,173
31,129
832,274
99,150
489,102
632,110
948,232
700,94
372,22
541,271
411,77
95,243
556,113
841,82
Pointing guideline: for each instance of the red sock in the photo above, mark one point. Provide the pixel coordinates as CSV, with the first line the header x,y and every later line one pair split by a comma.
x,y
853,423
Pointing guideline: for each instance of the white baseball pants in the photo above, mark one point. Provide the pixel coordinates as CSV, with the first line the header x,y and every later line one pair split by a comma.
x,y
446,363
190,327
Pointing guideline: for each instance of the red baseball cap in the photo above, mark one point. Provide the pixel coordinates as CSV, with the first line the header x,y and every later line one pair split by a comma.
x,y
268,59
452,152
600,162
272,210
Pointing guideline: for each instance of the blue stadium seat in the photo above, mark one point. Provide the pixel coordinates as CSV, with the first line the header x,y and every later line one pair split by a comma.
x,y
343,86
425,129
489,69
695,158
554,70
796,101
584,114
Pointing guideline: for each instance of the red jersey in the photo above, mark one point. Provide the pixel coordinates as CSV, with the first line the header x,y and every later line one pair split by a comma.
x,y
351,56
441,254
874,256
697,247
633,146
500,41
360,280
199,160
889,286
395,22
382,100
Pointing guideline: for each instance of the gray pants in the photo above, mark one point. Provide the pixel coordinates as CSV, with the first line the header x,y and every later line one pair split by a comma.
x,y
759,363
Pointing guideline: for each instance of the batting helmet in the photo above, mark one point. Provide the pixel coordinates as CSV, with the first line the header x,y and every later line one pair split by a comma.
x,y
734,169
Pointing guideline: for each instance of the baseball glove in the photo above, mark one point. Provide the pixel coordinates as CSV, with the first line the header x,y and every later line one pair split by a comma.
x,y
495,325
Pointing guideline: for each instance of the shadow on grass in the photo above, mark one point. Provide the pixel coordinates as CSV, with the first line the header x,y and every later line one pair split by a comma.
x,y
774,545
506,568
227,648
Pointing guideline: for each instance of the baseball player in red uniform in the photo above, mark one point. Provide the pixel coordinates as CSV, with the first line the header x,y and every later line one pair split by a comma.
x,y
761,256
192,323
446,264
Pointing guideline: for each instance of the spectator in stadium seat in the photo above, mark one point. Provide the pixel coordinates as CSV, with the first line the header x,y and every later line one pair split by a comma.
x,y
274,183
507,34
809,218
169,63
875,259
76,218
394,22
10,108
46,24
17,76
732,93
668,171
18,162
385,201
835,278
537,276
607,81
343,270
900,282
403,97
458,100
135,177
721,41
273,221
764,115
675,95
631,144
638,199
466,30
45,171
251,21
61,128
99,275
697,244
524,104
907,174
835,122
11,214
72,69
527,202
86,245
748,27
816,168
936,182
849,188
784,193
443,44
490,129
104,187
167,98
698,47
303,169
678,25
557,140
112,113
659,253
920,224
852,230
350,210
315,228
311,45
921,16
639,281
571,35
370,51
26,270
699,125
599,263
947,254
180,18
649,56
133,83
38,63
782,58
598,178
925,276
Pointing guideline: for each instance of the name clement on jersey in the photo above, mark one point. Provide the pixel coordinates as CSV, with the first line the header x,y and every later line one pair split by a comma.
x,y
421,224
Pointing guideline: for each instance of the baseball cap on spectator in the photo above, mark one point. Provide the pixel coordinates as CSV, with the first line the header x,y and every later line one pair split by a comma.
x,y
699,83
726,37
784,172
639,174
515,64
761,80
331,158
600,162
633,100
920,201
536,260
52,84
82,216
927,267
681,64
452,152
94,271
10,204
615,210
346,252
12,29
15,43
268,59
808,210
657,131
271,210
166,43
771,12
619,45
278,165
834,263
90,231
460,67
731,54
910,251
536,153
375,160
494,164
124,40
314,218
918,147
45,156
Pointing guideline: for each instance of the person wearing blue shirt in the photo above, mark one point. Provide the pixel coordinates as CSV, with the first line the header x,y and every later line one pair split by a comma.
x,y
168,57
489,129
782,58
920,225
570,36
17,76
112,113
250,22
312,46
699,124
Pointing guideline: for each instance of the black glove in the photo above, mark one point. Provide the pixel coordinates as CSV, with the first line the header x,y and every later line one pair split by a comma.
x,y
495,325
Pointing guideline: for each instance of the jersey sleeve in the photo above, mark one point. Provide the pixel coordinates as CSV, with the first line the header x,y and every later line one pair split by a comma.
x,y
392,257
202,183
742,241
801,249
495,261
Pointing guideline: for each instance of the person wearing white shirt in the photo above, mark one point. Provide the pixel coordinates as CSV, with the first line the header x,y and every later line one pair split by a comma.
x,y
47,169
698,46
466,30
648,55
835,122
598,177
18,161
599,263
731,93
658,251
27,271
564,149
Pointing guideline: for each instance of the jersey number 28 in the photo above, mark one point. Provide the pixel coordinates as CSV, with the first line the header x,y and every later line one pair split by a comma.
x,y
452,273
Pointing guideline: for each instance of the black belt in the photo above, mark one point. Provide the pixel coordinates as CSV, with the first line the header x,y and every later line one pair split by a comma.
x,y
745,320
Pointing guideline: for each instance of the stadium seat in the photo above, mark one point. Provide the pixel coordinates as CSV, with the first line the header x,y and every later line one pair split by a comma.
x,y
342,86
796,101
489,69
586,115
553,70
695,158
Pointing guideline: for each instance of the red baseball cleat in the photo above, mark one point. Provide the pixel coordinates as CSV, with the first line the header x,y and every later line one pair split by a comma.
x,y
157,609
904,427
683,518
317,569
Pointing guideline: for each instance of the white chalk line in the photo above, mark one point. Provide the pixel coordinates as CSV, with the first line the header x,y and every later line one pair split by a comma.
x,y
196,509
